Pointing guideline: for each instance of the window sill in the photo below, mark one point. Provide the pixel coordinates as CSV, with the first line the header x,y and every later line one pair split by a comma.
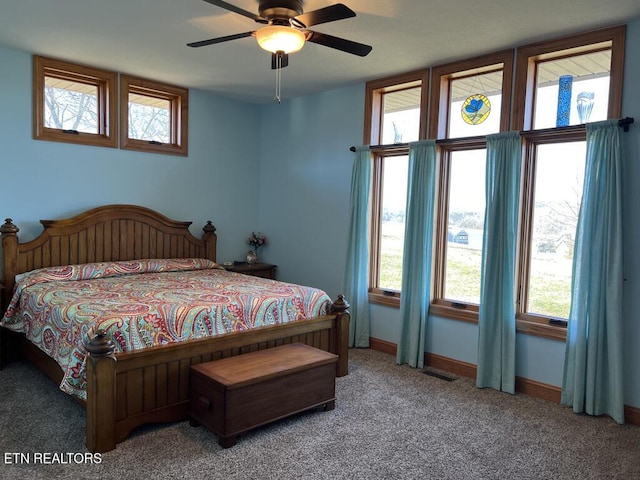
x,y
446,311
386,300
540,329
527,327
79,138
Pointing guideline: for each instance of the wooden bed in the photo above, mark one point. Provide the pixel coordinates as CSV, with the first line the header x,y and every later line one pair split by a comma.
x,y
126,390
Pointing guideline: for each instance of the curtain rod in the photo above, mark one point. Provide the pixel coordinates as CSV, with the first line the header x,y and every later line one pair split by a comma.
x,y
623,122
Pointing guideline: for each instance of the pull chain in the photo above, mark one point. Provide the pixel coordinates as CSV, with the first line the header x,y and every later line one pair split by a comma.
x,y
279,56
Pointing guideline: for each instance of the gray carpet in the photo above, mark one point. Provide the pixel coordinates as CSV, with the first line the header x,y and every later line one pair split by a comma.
x,y
390,422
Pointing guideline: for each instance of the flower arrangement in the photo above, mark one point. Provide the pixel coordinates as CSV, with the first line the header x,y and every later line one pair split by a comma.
x,y
256,240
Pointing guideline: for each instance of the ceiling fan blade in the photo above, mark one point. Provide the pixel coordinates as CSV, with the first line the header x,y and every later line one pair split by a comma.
x,y
331,13
233,8
341,44
220,39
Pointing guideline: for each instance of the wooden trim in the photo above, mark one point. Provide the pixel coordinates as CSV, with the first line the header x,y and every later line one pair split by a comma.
x,y
533,388
178,99
616,81
545,391
532,326
527,195
632,415
457,367
382,299
443,308
441,231
383,346
375,215
106,83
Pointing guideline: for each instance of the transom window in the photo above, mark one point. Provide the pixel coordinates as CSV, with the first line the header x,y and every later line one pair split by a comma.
x,y
74,103
576,85
475,103
153,116
70,105
401,115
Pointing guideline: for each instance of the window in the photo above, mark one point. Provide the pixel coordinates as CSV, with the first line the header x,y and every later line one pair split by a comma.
x,y
153,116
472,100
73,103
393,199
560,86
465,222
581,81
557,177
396,116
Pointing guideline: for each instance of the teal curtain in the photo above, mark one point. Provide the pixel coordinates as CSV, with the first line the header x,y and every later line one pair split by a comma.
x,y
496,318
357,271
416,262
593,360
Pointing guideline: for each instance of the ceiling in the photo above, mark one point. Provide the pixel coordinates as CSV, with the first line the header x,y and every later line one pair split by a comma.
x,y
148,38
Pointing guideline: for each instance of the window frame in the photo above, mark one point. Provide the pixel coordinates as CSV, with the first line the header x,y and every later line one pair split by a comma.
x,y
438,125
374,113
440,305
523,112
529,55
178,98
106,83
516,114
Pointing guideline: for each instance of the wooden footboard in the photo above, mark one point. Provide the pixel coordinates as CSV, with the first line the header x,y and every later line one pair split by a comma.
x,y
131,389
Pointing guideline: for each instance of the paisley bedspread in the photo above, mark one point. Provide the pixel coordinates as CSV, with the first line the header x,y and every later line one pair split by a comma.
x,y
146,303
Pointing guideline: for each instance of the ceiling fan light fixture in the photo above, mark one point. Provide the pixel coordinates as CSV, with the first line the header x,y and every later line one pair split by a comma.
x,y
279,38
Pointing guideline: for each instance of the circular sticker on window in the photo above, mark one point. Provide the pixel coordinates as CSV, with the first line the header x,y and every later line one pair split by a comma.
x,y
476,109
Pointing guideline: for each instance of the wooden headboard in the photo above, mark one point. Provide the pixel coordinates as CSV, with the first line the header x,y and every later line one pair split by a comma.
x,y
108,233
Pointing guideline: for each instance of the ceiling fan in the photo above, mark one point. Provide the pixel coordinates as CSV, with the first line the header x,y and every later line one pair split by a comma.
x,y
286,30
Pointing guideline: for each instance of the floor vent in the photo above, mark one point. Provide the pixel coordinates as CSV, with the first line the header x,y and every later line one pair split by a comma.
x,y
440,375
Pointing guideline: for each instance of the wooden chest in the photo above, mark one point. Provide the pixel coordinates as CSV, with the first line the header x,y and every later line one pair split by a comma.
x,y
235,394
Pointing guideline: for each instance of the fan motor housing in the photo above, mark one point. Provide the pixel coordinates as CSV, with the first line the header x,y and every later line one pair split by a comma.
x,y
280,9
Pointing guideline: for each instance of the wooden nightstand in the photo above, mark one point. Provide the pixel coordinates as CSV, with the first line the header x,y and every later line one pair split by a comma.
x,y
264,270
